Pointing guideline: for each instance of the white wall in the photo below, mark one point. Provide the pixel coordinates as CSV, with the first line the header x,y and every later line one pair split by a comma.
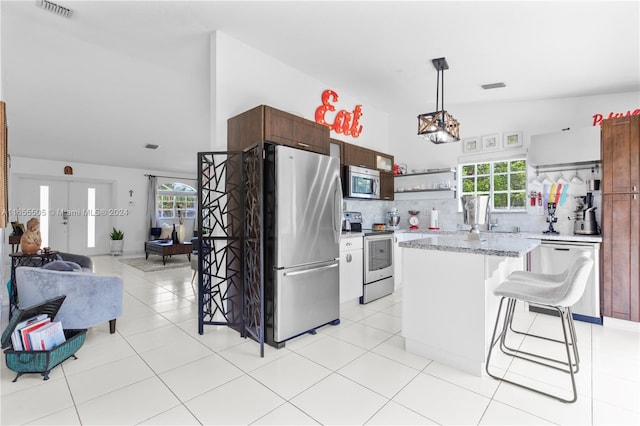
x,y
243,77
124,179
246,77
539,117
532,118
3,247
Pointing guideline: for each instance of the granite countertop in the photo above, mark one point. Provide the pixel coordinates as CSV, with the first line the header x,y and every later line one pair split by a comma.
x,y
561,237
529,235
492,244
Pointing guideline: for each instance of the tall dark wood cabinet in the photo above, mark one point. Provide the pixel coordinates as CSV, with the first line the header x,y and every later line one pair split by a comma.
x,y
620,147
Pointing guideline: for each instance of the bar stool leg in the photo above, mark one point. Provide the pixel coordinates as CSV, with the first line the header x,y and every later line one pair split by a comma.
x,y
568,331
572,342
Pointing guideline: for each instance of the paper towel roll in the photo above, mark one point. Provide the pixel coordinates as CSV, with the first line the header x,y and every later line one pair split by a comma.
x,y
433,223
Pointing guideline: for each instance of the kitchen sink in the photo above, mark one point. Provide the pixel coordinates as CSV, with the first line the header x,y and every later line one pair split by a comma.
x,y
504,230
494,230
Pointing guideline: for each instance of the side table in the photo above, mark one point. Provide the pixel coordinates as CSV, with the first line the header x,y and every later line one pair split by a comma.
x,y
14,240
38,259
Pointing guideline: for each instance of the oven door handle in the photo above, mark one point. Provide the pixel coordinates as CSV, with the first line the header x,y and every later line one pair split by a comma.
x,y
382,236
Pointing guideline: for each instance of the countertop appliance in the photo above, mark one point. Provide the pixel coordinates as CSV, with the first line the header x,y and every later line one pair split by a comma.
x,y
475,209
393,218
585,218
360,182
551,219
552,257
352,221
302,242
378,265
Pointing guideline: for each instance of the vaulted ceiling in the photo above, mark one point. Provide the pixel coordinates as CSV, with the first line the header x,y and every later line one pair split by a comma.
x,y
71,96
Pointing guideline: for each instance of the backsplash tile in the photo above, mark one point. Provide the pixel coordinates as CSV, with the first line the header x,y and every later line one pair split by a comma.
x,y
450,219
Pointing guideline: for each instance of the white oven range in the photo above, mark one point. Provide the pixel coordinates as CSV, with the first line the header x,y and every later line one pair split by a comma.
x,y
378,265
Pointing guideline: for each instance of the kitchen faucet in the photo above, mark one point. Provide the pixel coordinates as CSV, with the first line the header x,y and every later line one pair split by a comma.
x,y
491,224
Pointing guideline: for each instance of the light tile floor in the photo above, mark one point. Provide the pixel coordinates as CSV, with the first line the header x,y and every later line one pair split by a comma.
x,y
158,370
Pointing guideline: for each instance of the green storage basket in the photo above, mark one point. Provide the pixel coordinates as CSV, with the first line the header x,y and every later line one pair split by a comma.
x,y
40,361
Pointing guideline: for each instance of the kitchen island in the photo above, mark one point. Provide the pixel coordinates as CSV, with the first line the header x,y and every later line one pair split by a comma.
x,y
448,306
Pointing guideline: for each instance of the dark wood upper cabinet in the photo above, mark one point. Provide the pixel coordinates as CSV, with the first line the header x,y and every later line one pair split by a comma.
x,y
384,162
387,186
620,154
336,149
266,124
355,155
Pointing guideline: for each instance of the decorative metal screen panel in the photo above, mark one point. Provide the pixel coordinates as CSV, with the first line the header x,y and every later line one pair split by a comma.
x,y
220,216
230,282
253,245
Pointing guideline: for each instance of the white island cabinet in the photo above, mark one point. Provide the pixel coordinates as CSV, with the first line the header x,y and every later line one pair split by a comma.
x,y
448,306
400,237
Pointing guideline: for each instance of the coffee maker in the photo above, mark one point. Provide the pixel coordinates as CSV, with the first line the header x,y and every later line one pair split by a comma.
x,y
585,219
551,218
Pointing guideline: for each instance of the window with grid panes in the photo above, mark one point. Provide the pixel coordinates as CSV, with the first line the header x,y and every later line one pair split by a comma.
x,y
176,200
504,180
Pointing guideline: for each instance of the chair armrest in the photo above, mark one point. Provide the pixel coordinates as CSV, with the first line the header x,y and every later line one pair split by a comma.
x,y
84,261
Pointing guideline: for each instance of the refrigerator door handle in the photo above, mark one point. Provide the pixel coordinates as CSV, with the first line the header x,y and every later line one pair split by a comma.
x,y
337,208
308,271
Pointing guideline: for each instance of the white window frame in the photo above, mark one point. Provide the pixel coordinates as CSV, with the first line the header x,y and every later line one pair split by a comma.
x,y
189,212
492,192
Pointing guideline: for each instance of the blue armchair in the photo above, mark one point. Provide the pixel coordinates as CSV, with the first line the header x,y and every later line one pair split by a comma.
x,y
91,299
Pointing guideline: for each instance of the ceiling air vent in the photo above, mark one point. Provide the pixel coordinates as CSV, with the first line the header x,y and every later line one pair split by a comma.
x,y
152,146
493,86
55,8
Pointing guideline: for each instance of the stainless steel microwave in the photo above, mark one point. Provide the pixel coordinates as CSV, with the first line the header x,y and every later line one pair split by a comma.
x,y
361,183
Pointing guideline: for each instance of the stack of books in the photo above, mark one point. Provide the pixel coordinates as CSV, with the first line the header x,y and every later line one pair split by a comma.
x,y
37,333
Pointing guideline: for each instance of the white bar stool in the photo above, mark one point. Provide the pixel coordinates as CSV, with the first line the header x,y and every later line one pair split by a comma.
x,y
555,291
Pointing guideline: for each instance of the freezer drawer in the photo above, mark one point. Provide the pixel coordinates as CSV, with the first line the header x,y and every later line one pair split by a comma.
x,y
376,290
306,297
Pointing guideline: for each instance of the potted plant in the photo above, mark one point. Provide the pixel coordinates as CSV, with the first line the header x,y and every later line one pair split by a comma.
x,y
117,241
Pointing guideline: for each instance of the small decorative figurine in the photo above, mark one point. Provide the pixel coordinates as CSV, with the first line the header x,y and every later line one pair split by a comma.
x,y
31,239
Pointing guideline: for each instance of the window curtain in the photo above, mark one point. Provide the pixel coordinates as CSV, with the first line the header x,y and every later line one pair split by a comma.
x,y
4,188
152,196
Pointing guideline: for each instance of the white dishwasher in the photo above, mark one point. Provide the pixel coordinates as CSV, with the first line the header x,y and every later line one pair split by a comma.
x,y
553,257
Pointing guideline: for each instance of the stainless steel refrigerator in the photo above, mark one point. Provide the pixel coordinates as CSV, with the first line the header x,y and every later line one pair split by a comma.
x,y
303,222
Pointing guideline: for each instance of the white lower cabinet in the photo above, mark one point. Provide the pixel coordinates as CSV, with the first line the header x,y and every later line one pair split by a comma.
x,y
351,268
397,254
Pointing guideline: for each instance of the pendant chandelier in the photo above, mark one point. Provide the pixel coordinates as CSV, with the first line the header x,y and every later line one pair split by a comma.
x,y
439,126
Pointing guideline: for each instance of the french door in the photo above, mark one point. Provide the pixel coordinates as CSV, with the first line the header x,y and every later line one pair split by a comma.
x,y
70,212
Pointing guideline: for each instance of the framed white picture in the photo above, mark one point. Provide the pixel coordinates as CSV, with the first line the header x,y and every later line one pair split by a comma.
x,y
512,139
471,145
491,142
